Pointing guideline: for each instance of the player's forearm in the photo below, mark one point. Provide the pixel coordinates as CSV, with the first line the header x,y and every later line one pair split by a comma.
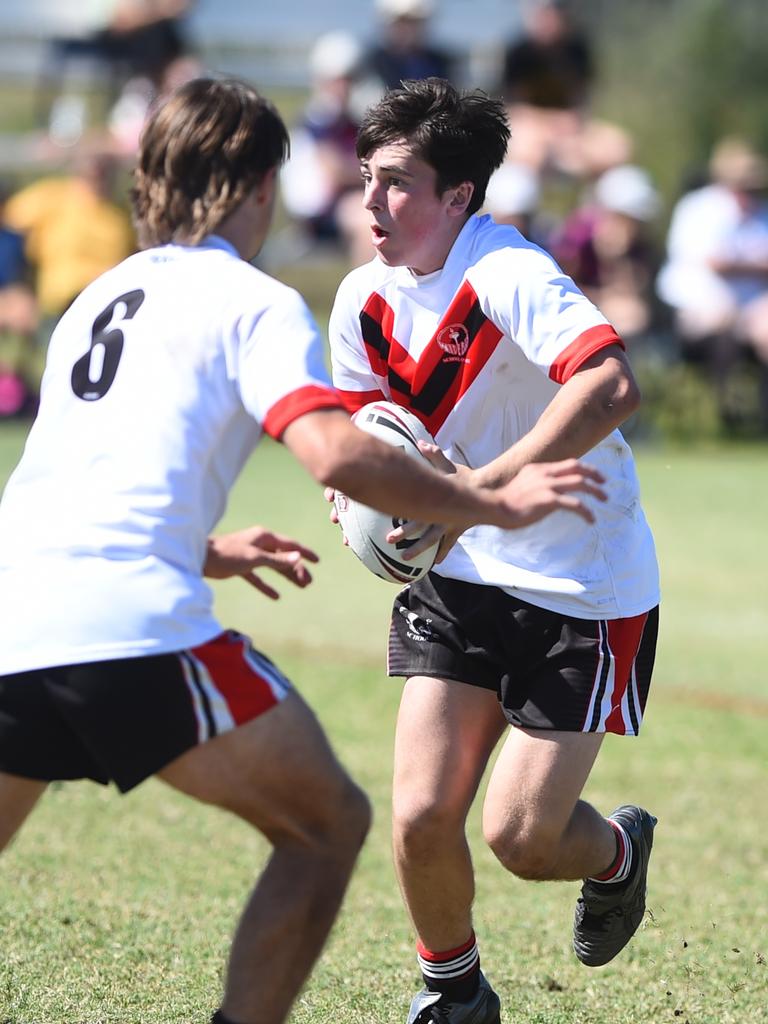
x,y
341,456
585,410
384,478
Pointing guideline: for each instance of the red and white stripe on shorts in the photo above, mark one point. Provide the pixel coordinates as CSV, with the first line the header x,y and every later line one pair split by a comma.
x,y
615,704
230,683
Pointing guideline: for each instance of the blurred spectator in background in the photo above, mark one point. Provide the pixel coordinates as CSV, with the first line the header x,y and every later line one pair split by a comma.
x,y
18,312
138,42
716,274
606,246
138,99
18,319
550,65
321,183
144,36
545,80
512,197
404,50
595,148
73,229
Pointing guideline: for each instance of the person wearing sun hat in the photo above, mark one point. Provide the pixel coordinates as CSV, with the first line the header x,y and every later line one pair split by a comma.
x,y
404,50
715,277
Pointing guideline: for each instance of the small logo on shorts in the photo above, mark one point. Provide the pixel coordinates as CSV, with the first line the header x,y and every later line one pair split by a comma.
x,y
418,629
454,341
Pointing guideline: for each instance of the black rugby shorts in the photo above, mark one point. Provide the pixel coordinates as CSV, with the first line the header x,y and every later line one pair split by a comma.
x,y
549,671
123,720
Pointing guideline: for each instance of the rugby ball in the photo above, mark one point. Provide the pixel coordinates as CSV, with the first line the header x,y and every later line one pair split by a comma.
x,y
366,529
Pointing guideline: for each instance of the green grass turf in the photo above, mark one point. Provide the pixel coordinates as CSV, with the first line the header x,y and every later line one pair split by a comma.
x,y
118,910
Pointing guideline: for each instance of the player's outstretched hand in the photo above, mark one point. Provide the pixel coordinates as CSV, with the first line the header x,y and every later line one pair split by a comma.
x,y
241,553
544,487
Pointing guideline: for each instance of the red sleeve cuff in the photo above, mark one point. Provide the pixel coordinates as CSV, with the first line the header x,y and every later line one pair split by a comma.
x,y
354,400
579,351
298,403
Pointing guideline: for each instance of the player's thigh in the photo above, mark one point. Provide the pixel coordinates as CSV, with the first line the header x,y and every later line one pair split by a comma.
x,y
278,772
17,798
446,731
537,780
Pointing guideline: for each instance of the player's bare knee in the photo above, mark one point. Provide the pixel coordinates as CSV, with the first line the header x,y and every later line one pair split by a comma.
x,y
528,854
418,827
336,827
352,818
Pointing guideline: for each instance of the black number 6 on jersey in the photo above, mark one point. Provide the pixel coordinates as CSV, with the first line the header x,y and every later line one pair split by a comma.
x,y
93,373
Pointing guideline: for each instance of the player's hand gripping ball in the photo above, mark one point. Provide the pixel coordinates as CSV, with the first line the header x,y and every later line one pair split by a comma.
x,y
365,528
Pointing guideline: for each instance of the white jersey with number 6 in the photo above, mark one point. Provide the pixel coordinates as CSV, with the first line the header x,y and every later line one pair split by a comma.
x,y
160,380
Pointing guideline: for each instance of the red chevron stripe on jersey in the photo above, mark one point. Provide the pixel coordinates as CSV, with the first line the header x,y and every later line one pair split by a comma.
x,y
457,352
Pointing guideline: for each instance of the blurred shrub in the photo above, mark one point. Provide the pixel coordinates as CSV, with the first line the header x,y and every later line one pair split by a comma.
x,y
680,74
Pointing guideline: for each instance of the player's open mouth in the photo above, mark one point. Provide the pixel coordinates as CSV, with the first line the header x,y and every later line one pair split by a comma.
x,y
378,233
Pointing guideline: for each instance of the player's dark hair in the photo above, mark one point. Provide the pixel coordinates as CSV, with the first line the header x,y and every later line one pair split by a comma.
x,y
463,135
201,153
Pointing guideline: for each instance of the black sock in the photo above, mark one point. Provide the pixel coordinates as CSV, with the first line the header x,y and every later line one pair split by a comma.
x,y
219,1018
455,973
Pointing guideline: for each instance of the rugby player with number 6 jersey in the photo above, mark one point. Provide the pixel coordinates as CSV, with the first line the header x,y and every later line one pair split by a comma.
x,y
160,380
538,641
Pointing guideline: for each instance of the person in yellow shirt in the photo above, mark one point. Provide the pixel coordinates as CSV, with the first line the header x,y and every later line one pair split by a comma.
x,y
74,229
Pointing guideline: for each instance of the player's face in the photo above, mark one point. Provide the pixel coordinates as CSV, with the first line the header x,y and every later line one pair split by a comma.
x,y
411,225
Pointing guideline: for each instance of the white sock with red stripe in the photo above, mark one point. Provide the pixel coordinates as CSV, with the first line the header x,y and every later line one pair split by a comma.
x,y
621,868
455,972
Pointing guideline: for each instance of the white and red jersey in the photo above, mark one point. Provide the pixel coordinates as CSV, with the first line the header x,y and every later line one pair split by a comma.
x,y
159,382
477,350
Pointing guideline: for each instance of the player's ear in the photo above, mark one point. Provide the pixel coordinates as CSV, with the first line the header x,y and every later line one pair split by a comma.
x,y
266,186
462,194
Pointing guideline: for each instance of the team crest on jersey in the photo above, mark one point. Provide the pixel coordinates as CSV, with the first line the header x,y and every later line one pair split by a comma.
x,y
454,341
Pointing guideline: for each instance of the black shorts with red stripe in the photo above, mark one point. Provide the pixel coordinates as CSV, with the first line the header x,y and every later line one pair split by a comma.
x,y
123,720
549,671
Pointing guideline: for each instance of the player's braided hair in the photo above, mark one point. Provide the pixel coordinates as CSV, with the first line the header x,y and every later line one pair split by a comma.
x,y
463,135
201,153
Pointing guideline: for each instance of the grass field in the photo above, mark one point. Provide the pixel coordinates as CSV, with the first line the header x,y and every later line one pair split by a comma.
x,y
118,911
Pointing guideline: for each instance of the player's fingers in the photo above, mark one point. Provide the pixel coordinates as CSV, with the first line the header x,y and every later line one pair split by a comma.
x,y
279,543
301,576
576,482
260,585
407,529
289,564
570,503
431,535
446,543
570,467
435,456
546,472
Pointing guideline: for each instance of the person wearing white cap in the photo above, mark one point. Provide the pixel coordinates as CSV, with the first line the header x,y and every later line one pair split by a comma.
x,y
513,196
321,181
404,50
716,274
606,247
